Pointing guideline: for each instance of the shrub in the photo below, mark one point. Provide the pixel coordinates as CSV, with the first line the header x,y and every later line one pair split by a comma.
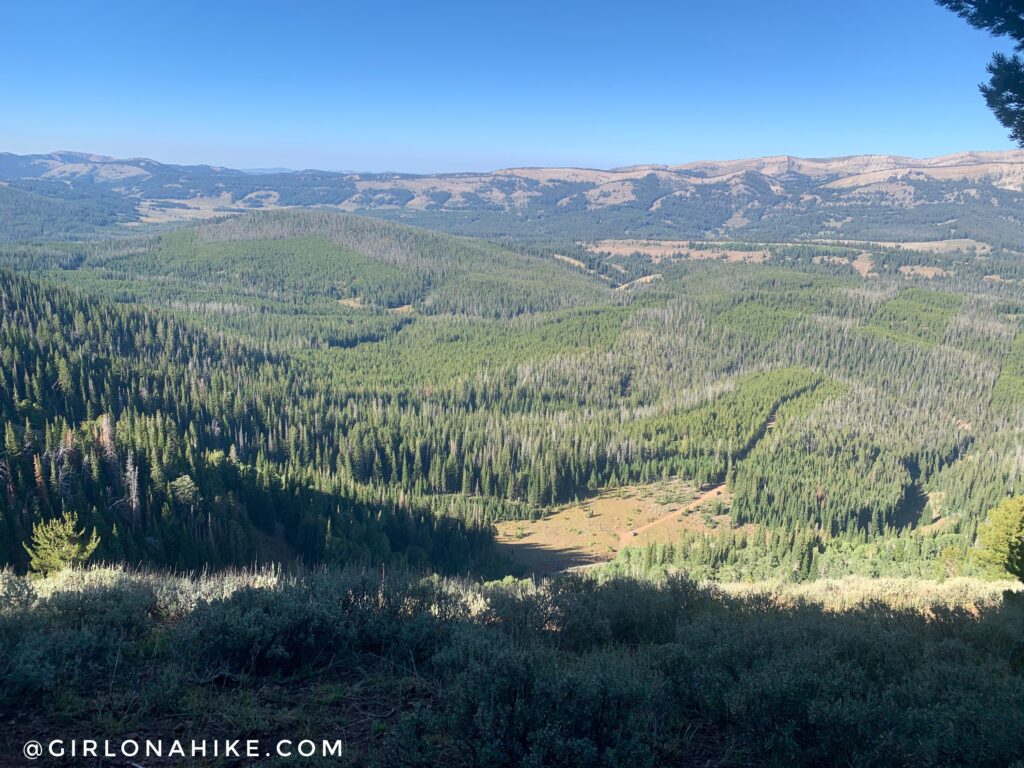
x,y
265,631
431,671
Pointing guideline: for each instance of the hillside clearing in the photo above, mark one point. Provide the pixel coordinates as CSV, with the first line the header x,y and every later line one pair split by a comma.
x,y
660,250
595,530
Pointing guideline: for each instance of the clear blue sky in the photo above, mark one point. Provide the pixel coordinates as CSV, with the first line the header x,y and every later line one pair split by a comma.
x,y
433,86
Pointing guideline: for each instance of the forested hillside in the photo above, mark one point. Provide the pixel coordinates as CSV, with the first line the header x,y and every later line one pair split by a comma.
x,y
176,448
317,385
393,447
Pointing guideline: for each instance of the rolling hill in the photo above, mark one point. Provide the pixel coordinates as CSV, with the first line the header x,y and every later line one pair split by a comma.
x,y
867,197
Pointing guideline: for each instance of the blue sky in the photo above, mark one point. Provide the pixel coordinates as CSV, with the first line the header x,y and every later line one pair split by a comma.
x,y
441,86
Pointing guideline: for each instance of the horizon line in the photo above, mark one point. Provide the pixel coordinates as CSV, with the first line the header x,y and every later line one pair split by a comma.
x,y
96,157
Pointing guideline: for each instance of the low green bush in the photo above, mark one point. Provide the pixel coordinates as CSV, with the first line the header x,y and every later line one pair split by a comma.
x,y
572,671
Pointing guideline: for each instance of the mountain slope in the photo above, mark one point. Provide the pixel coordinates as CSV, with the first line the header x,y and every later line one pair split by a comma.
x,y
971,194
178,446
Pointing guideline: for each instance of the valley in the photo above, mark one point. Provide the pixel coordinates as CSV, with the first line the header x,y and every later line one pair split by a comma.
x,y
329,467
512,385
487,386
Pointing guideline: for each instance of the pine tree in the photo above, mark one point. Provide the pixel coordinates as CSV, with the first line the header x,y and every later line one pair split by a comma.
x,y
11,447
1004,92
58,544
1001,538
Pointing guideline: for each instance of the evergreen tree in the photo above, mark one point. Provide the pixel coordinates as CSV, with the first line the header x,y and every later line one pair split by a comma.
x,y
1004,92
1001,538
58,544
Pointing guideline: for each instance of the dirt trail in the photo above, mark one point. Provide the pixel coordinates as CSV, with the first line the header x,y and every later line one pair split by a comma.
x,y
639,281
717,492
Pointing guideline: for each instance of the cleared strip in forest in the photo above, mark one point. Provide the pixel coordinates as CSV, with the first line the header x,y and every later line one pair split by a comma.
x,y
639,281
769,423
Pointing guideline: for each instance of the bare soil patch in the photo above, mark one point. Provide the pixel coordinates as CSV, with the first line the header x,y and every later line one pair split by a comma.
x,y
863,265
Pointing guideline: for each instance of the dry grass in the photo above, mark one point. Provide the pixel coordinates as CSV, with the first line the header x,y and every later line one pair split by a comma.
x,y
863,264
595,530
639,281
570,260
853,592
197,208
1006,175
612,193
659,250
922,246
921,270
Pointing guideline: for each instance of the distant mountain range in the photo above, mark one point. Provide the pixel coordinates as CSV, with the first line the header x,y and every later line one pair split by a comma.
x,y
973,194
